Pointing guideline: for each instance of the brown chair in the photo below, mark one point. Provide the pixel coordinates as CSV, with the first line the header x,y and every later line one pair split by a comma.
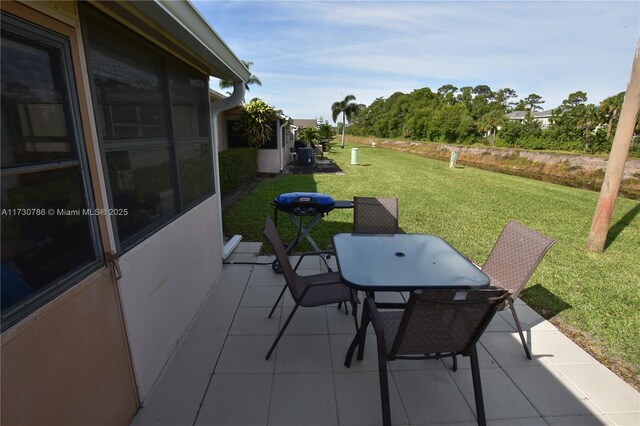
x,y
306,290
434,324
375,215
513,259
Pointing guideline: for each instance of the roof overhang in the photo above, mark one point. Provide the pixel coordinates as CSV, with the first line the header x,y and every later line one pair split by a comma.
x,y
180,28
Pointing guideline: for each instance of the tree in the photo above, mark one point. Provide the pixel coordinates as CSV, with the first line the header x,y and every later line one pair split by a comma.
x,y
256,124
347,107
575,99
325,134
533,102
504,96
253,79
308,135
489,124
447,92
610,109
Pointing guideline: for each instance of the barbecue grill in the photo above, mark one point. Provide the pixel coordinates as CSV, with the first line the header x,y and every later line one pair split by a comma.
x,y
300,204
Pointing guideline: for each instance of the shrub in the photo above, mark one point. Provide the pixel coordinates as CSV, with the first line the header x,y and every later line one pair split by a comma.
x,y
237,167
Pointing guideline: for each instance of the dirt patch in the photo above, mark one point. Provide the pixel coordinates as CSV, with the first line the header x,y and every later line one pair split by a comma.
x,y
581,171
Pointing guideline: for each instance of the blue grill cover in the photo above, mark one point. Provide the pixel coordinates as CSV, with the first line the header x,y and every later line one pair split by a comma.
x,y
304,203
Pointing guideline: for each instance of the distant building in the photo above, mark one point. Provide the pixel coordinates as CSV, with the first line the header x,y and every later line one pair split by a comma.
x,y
540,116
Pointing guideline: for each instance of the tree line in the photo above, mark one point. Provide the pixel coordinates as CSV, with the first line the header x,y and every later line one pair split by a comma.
x,y
469,115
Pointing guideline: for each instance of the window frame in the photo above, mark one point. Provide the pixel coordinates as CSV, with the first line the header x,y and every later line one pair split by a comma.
x,y
168,62
32,33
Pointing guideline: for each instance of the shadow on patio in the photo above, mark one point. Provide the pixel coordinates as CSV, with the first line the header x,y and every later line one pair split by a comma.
x,y
219,376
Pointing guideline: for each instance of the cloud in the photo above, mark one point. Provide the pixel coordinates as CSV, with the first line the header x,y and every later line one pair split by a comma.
x,y
308,54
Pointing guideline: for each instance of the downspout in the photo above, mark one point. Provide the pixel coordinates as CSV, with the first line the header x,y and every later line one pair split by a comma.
x,y
281,142
236,99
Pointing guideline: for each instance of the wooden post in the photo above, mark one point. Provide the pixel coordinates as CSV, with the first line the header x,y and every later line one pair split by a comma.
x,y
617,158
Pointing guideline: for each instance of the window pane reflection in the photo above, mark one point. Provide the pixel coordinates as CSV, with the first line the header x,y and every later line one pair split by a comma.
x,y
128,82
194,166
141,183
34,118
51,241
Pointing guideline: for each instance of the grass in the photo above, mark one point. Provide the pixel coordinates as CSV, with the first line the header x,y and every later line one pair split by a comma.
x,y
595,296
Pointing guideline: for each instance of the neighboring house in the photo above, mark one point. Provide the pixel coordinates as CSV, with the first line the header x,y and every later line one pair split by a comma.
x,y
272,156
111,222
540,116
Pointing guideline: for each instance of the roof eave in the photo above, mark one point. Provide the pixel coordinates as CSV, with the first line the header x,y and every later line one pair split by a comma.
x,y
185,23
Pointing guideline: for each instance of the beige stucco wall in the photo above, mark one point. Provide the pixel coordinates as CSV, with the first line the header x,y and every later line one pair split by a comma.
x,y
164,281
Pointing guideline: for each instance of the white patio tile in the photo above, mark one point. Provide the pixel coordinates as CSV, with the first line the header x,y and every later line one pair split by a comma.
x,y
431,396
303,354
236,400
497,324
260,296
339,346
531,421
529,319
589,420
242,257
484,359
305,320
606,390
502,399
302,399
506,349
341,323
557,349
248,247
625,419
245,355
266,278
358,399
550,393
248,321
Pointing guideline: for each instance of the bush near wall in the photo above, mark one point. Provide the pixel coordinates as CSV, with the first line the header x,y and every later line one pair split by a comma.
x,y
237,167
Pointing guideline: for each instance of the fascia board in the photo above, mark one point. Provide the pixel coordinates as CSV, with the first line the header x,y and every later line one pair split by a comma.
x,y
185,23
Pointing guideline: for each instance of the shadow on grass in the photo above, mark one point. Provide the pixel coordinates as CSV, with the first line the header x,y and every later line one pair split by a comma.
x,y
547,304
624,221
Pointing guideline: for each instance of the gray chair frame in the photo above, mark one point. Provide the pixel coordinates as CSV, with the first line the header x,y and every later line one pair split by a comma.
x,y
433,325
306,290
513,259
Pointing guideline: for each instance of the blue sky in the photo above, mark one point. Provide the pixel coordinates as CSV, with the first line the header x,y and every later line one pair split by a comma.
x,y
310,54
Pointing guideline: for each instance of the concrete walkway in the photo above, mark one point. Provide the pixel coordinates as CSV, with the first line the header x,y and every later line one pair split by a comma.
x,y
218,374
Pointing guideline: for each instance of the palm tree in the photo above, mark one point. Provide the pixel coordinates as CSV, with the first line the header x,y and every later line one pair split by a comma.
x,y
253,79
347,107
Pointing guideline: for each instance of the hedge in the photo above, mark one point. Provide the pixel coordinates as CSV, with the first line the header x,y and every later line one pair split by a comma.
x,y
237,167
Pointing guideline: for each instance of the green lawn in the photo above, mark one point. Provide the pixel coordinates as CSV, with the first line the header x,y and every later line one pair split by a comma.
x,y
597,294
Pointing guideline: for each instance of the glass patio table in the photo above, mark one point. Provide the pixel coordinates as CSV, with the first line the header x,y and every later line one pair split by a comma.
x,y
401,262
404,262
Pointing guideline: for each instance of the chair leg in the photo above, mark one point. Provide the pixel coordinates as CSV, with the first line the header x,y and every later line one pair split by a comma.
x,y
517,321
384,385
286,323
477,387
455,362
278,300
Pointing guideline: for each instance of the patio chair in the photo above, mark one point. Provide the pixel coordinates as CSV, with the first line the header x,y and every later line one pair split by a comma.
x,y
375,215
434,324
306,290
513,259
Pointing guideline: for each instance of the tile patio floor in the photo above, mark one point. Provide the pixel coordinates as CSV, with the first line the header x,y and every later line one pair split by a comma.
x,y
218,374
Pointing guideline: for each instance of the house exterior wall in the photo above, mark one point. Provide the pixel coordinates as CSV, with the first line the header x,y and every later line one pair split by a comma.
x,y
92,354
269,160
68,361
164,281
